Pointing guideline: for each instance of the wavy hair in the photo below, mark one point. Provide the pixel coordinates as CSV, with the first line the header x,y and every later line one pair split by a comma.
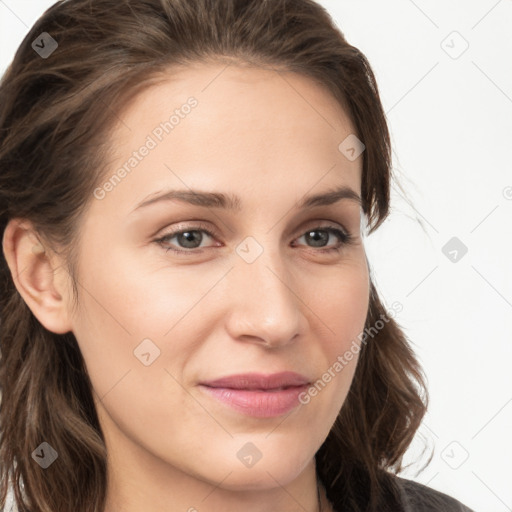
x,y
56,114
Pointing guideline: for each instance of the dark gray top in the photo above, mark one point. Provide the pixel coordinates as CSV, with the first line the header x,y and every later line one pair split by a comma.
x,y
420,498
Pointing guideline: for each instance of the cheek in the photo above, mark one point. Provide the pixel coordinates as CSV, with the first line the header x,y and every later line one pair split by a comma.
x,y
136,298
342,303
124,315
339,308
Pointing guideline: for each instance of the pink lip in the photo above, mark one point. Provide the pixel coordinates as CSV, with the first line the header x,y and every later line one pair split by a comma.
x,y
259,395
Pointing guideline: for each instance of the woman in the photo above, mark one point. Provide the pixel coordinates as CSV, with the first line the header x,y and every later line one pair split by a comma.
x,y
188,319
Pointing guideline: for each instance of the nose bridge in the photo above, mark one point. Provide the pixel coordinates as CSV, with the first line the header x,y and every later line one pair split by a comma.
x,y
264,305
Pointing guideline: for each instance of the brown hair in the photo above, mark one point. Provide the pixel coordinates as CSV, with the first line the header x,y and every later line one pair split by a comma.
x,y
55,116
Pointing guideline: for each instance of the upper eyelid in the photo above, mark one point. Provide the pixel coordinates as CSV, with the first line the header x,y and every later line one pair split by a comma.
x,y
199,227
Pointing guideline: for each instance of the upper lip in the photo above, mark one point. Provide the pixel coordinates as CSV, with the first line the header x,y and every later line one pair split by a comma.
x,y
254,381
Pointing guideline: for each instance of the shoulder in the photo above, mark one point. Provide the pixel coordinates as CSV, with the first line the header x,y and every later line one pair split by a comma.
x,y
417,497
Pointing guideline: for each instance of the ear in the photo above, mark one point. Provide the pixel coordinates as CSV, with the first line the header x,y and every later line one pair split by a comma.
x,y
39,276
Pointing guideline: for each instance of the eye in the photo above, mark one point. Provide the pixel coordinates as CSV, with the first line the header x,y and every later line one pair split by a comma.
x,y
190,238
319,236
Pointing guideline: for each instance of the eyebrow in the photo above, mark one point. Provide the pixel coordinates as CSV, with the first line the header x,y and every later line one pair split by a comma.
x,y
233,202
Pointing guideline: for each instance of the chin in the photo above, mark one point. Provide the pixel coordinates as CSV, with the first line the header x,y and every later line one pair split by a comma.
x,y
260,477
256,464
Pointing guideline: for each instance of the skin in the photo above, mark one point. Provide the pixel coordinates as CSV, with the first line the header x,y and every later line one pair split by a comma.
x,y
270,139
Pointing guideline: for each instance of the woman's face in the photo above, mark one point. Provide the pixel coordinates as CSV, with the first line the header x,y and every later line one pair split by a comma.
x,y
270,289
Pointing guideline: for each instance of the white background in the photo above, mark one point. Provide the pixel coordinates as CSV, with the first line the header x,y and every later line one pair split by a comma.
x,y
450,117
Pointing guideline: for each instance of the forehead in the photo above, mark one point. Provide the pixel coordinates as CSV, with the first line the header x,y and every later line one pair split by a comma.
x,y
239,96
247,126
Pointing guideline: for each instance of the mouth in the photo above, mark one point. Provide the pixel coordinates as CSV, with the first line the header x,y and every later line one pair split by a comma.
x,y
258,395
258,381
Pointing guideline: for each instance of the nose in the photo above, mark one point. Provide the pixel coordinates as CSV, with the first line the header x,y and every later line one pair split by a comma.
x,y
265,306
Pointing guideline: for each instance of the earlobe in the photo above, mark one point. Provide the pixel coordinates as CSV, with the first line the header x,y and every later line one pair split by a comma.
x,y
37,276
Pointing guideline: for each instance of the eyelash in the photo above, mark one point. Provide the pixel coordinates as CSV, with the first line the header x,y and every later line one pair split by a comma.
x,y
344,237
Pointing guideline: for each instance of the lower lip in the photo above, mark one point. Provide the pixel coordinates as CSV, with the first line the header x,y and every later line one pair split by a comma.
x,y
258,403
